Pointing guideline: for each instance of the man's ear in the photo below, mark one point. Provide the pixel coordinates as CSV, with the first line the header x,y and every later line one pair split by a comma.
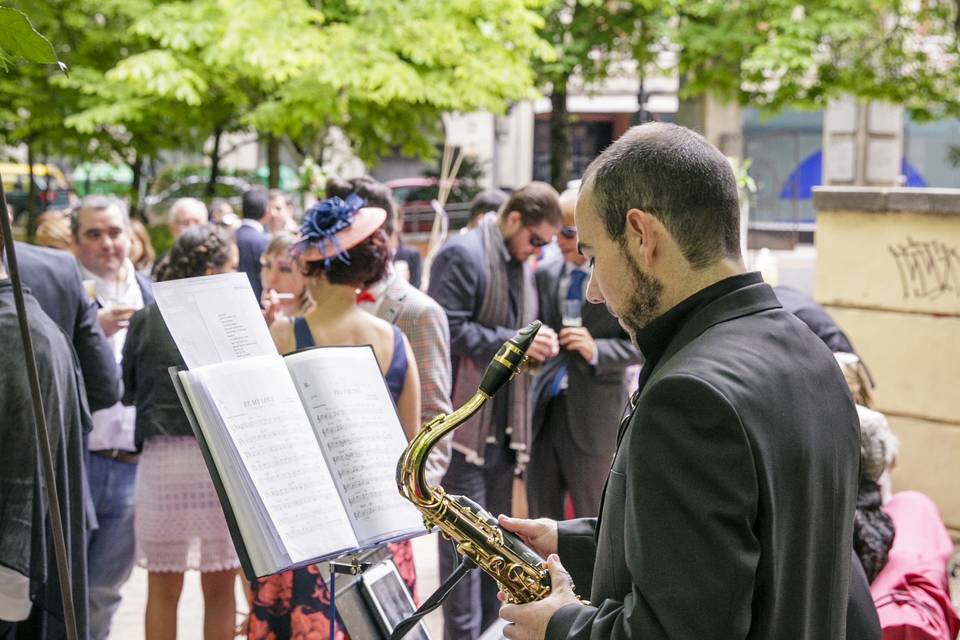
x,y
511,224
641,233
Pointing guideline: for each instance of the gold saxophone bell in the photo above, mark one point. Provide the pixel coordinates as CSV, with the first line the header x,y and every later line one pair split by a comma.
x,y
519,571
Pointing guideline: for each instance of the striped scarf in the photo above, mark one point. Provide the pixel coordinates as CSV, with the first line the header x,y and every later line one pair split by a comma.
x,y
472,437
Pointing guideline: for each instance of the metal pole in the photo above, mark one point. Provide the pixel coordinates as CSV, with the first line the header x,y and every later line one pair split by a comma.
x,y
43,435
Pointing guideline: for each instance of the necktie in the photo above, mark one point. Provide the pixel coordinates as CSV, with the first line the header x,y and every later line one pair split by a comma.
x,y
574,292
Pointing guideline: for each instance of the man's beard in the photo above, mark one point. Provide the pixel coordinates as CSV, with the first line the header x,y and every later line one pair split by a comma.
x,y
643,305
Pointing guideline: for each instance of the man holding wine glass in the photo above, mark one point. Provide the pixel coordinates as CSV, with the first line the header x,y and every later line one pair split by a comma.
x,y
101,233
587,378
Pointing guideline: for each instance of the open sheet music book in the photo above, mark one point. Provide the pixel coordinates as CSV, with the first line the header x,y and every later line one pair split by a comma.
x,y
302,448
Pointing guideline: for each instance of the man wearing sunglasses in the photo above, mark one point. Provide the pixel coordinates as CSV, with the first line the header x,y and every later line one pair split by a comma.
x,y
484,283
588,378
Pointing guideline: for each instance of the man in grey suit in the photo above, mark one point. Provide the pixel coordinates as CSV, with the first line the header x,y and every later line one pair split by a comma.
x,y
588,378
728,510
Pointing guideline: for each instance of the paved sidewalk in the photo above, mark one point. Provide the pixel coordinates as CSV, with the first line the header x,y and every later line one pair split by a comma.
x,y
128,623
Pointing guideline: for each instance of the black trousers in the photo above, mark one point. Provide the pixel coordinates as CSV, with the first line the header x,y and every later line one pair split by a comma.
x,y
473,604
557,466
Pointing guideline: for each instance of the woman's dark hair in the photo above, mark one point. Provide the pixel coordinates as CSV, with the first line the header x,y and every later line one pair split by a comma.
x,y
198,249
368,263
873,530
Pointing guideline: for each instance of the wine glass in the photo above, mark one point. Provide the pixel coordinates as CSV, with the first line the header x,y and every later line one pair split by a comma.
x,y
572,313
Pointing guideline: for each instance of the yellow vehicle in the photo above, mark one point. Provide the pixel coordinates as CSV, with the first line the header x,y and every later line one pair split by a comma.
x,y
53,190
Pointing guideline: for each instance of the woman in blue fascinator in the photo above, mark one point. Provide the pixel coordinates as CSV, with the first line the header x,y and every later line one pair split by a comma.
x,y
341,248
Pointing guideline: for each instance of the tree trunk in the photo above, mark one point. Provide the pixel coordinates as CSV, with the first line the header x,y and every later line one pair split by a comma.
x,y
273,161
137,167
32,209
214,163
559,136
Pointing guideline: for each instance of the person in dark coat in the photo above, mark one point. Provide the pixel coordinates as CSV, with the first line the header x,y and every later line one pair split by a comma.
x,y
252,236
815,317
30,606
54,280
728,510
588,377
483,281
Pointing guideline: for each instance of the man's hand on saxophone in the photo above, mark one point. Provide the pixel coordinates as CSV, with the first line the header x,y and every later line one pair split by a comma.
x,y
540,534
529,621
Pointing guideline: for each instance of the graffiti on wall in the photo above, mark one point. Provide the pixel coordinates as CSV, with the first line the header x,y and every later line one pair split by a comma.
x,y
928,269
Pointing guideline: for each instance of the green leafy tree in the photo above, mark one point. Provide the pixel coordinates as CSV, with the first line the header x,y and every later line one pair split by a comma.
x,y
81,116
778,54
591,39
380,71
25,113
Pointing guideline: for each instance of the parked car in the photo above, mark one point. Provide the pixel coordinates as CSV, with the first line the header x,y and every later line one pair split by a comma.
x,y
53,190
413,197
229,188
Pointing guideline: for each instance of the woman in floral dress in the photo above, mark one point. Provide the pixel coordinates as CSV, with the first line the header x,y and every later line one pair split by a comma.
x,y
341,249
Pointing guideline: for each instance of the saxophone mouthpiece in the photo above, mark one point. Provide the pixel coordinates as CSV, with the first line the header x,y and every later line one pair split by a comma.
x,y
508,360
525,336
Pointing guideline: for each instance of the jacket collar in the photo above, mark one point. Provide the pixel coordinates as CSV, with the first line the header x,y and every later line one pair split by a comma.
x,y
744,301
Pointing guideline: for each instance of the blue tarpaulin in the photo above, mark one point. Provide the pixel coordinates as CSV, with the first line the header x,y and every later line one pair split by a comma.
x,y
808,174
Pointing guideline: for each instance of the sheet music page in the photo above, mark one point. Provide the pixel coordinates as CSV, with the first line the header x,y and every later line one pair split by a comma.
x,y
214,318
350,407
263,416
259,545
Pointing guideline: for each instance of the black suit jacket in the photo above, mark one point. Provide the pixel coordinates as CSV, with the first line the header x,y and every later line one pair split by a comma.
x,y
728,511
54,280
250,246
596,391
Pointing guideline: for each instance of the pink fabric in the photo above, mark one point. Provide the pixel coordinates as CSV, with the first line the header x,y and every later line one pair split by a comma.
x,y
912,593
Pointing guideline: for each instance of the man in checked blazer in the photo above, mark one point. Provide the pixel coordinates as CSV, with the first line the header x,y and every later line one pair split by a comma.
x,y
587,378
421,319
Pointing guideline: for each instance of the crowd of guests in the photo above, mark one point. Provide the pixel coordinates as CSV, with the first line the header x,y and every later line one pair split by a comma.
x,y
131,477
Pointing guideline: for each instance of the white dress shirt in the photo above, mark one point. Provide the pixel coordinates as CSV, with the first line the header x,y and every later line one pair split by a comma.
x,y
113,427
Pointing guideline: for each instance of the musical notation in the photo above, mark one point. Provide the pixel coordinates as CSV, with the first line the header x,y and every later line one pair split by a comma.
x,y
361,436
278,448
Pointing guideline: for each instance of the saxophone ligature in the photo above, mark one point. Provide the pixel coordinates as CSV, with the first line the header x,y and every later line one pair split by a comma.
x,y
519,571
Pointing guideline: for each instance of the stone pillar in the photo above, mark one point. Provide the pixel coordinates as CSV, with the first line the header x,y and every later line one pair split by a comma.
x,y
888,271
721,123
862,143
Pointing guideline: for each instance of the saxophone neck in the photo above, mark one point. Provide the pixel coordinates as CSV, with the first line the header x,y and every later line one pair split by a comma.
x,y
411,476
411,479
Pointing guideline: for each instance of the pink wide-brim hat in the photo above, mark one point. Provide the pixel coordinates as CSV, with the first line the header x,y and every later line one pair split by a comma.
x,y
365,222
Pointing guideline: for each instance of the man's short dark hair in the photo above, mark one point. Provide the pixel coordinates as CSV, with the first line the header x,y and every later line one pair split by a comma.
x,y
485,201
674,174
97,202
254,203
338,187
537,203
373,191
379,195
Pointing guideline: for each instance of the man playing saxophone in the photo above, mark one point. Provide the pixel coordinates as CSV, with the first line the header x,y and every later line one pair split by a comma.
x,y
727,512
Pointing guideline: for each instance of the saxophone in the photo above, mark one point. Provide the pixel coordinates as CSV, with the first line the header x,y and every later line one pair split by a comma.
x,y
519,571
